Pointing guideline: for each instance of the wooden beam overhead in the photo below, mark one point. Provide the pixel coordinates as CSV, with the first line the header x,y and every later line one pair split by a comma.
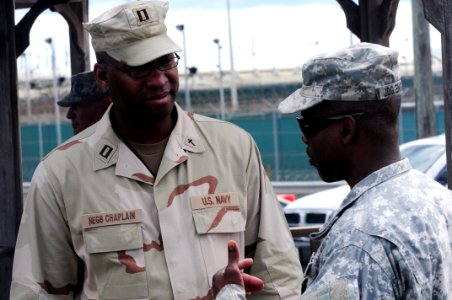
x,y
371,20
29,3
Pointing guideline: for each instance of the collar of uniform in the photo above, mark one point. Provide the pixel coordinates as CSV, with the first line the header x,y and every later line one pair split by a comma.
x,y
105,143
110,150
185,135
360,188
184,138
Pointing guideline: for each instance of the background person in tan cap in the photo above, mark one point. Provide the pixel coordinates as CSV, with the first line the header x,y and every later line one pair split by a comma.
x,y
391,236
141,205
87,101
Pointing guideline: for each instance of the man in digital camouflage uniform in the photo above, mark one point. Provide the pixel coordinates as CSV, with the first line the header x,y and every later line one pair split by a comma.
x,y
87,101
391,238
141,205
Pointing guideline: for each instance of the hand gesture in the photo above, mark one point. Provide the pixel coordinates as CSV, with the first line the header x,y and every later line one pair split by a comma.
x,y
231,274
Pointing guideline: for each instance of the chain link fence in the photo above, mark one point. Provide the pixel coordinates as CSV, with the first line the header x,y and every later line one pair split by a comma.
x,y
277,136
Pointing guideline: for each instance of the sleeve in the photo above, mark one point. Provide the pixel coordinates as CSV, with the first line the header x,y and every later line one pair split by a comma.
x,y
231,292
45,264
352,273
267,239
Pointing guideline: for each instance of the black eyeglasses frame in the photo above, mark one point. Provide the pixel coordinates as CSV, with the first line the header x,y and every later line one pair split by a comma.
x,y
162,64
310,127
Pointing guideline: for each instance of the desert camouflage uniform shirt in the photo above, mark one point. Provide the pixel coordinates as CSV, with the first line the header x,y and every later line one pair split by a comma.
x,y
98,225
390,239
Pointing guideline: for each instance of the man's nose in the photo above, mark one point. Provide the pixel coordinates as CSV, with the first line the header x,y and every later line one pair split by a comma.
x,y
156,78
70,113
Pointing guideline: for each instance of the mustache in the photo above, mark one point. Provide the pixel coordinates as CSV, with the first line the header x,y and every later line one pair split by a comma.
x,y
157,94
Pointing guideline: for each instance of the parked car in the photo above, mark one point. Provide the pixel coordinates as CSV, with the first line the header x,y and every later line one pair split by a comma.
x,y
285,199
283,202
427,155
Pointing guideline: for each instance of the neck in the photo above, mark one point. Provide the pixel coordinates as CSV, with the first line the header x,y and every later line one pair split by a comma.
x,y
151,132
370,160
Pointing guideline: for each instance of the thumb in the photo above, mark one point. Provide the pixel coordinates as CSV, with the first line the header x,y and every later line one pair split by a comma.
x,y
233,253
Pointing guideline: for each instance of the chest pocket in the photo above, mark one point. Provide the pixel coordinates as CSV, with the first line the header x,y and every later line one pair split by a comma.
x,y
217,213
218,220
215,226
117,256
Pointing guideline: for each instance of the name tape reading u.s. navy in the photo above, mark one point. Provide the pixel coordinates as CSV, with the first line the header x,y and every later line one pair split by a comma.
x,y
215,200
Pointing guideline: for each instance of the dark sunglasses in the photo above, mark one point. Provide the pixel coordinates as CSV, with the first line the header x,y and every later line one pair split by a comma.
x,y
164,63
310,127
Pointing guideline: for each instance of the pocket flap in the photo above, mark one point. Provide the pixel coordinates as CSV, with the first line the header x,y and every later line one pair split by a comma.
x,y
218,220
217,213
113,238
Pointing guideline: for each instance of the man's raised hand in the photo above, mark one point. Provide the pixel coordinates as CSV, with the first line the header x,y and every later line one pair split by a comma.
x,y
231,274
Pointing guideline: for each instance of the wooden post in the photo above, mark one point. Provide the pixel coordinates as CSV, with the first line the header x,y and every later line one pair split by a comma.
x,y
439,14
10,153
24,26
372,20
75,13
423,83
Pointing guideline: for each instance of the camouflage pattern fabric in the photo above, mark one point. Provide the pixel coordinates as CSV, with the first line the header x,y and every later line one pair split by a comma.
x,y
390,239
360,72
97,224
231,292
84,88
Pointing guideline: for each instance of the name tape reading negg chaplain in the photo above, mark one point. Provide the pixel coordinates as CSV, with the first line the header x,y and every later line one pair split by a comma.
x,y
112,218
215,200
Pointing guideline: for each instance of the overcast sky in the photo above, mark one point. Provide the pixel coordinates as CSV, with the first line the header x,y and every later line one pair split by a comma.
x,y
265,34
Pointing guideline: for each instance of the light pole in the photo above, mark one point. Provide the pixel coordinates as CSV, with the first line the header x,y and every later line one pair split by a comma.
x,y
55,91
234,100
217,41
180,27
25,55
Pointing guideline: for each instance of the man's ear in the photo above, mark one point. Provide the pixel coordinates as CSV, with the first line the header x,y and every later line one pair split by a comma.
x,y
349,129
105,103
101,76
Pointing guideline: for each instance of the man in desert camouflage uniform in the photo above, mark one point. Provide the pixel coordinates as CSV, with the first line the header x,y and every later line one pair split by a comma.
x,y
140,205
391,238
87,101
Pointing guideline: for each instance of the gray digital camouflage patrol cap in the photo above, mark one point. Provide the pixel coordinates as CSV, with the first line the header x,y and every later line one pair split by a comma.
x,y
84,87
360,72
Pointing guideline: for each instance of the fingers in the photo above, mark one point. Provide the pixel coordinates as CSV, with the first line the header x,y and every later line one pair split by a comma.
x,y
252,284
232,271
233,253
245,263
232,274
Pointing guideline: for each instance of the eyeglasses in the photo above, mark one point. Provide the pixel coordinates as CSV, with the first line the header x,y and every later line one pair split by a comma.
x,y
310,127
164,63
